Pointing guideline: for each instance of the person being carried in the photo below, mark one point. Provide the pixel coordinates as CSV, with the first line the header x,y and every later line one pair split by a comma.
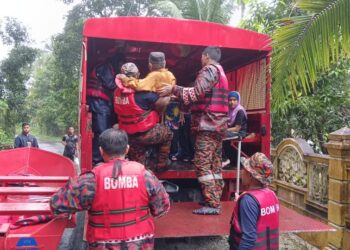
x,y
70,142
138,115
237,124
25,139
119,185
158,77
251,226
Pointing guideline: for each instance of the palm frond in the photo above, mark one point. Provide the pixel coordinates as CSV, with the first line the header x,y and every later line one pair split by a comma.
x,y
169,8
218,11
306,45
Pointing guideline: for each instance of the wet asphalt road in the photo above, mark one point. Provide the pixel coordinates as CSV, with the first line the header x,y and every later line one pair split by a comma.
x,y
55,147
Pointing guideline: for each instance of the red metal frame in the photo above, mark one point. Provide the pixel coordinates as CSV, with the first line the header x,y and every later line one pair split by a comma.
x,y
182,45
182,41
137,36
36,174
176,31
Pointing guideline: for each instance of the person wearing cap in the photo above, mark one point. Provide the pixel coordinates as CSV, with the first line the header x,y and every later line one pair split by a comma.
x,y
209,107
138,116
100,88
158,77
255,219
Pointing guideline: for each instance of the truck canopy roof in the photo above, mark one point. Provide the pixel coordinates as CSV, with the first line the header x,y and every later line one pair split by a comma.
x,y
181,40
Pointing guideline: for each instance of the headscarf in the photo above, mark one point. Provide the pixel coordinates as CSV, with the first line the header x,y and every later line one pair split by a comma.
x,y
129,69
232,113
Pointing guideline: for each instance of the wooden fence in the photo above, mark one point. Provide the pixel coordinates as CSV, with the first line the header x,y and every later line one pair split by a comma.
x,y
317,185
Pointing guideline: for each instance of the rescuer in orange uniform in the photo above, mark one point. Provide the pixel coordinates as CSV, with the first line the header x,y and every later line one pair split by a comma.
x,y
100,88
209,107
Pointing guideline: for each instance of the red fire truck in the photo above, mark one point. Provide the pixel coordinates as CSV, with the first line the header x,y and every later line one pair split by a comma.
x,y
245,58
246,61
28,176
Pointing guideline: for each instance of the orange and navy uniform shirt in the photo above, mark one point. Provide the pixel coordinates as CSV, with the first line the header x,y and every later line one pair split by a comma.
x,y
207,78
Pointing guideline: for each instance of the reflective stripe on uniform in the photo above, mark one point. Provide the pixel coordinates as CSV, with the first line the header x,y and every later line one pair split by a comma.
x,y
217,176
207,177
122,224
120,211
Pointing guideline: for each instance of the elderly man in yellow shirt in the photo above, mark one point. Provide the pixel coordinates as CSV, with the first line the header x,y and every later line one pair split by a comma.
x,y
155,80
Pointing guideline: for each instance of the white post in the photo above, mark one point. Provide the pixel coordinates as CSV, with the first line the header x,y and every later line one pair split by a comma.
x,y
238,166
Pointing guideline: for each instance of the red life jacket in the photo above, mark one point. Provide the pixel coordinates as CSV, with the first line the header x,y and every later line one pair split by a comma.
x,y
120,208
217,99
267,224
95,87
131,117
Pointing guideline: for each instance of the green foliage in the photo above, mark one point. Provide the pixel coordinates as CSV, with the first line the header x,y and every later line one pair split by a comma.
x,y
6,141
319,113
107,8
15,71
44,98
53,99
262,15
14,32
322,110
308,44
218,11
54,96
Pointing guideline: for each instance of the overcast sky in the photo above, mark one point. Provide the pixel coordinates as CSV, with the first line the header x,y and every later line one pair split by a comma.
x,y
42,18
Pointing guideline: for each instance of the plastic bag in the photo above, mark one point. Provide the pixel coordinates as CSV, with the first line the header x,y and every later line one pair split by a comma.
x,y
76,161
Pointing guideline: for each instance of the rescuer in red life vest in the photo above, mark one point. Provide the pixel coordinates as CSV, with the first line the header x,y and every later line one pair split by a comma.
x,y
100,88
209,108
255,216
121,197
138,116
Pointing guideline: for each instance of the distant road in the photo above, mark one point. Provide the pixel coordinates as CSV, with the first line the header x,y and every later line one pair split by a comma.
x,y
55,147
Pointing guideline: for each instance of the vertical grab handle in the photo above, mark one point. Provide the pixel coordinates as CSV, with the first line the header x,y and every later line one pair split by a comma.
x,y
238,166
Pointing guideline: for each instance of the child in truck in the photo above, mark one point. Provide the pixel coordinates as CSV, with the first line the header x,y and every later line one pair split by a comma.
x,y
237,124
